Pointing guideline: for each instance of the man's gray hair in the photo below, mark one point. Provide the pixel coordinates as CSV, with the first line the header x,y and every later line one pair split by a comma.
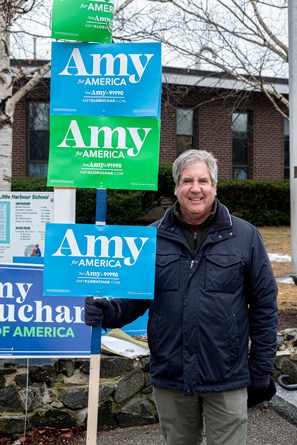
x,y
189,157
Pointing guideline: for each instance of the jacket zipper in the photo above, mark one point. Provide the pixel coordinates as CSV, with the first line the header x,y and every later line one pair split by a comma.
x,y
195,242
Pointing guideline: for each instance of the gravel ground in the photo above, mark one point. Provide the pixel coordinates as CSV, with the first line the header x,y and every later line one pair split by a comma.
x,y
265,427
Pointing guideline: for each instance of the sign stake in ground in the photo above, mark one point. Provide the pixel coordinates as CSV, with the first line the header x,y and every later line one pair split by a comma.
x,y
94,385
95,358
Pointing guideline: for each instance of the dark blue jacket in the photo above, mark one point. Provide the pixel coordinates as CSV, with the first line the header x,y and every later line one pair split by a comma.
x,y
206,308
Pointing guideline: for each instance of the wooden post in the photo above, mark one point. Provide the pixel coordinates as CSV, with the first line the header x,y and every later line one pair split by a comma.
x,y
95,358
94,384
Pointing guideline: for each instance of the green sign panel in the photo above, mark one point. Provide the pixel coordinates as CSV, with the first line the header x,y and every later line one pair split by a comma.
x,y
104,152
83,20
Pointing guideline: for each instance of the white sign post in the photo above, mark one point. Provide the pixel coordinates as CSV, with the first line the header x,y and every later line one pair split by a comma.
x,y
65,200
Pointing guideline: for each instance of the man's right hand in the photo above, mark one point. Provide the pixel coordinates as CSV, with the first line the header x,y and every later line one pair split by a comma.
x,y
97,310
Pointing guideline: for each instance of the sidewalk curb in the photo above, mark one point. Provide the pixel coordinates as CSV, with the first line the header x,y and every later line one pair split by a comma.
x,y
285,403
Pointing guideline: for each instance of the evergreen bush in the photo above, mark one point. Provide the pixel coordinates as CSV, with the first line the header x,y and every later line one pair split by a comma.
x,y
262,203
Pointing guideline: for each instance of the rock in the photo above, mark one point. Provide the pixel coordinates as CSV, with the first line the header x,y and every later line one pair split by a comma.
x,y
113,366
44,373
137,411
129,385
10,400
74,397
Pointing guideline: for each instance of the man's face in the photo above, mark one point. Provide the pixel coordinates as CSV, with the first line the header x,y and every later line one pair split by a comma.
x,y
195,193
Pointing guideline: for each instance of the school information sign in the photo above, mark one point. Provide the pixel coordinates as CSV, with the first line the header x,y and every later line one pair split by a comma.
x,y
117,79
105,261
32,325
104,152
84,20
23,216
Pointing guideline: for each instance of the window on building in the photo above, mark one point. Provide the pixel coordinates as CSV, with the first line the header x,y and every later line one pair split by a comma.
x,y
184,130
38,138
287,149
240,130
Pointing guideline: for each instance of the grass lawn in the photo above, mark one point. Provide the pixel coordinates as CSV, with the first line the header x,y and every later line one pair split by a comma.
x,y
277,240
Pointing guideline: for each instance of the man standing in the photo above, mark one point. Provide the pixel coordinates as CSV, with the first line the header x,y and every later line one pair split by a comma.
x,y
214,292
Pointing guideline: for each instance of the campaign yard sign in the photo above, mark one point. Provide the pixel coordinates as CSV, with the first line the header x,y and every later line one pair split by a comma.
x,y
104,152
84,20
103,261
32,325
117,79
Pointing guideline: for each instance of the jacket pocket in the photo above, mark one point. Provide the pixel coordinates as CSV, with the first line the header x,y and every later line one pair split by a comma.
x,y
153,328
167,272
233,339
223,273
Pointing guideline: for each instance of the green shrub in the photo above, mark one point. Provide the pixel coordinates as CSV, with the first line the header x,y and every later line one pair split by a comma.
x,y
29,185
263,203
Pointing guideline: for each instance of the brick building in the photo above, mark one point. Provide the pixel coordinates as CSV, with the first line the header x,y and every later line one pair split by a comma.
x,y
204,110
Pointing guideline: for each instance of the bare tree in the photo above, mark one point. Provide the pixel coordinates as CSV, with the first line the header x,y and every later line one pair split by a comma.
x,y
9,11
243,39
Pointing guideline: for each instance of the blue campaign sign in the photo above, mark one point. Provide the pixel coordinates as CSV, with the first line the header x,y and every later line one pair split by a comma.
x,y
32,325
104,261
116,79
138,326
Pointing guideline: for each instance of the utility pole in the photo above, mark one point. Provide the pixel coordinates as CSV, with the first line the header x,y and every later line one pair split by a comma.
x,y
292,20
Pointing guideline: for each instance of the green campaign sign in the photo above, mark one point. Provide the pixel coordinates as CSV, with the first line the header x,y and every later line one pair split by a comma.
x,y
104,152
83,20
